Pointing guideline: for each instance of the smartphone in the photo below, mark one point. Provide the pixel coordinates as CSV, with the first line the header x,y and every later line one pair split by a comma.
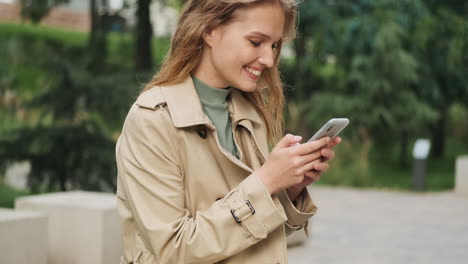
x,y
331,129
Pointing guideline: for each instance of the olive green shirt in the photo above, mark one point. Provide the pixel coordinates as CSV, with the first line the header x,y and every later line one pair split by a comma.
x,y
215,106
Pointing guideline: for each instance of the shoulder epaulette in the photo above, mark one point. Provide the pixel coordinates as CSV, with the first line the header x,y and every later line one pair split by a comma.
x,y
151,99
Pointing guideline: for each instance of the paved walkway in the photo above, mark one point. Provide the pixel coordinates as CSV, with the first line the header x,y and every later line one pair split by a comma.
x,y
370,226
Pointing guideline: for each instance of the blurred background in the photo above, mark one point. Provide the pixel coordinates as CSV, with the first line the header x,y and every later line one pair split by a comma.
x,y
70,69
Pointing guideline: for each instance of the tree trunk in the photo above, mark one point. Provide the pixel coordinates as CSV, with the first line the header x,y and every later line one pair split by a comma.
x,y
404,150
144,32
300,47
300,66
98,35
63,183
439,134
93,11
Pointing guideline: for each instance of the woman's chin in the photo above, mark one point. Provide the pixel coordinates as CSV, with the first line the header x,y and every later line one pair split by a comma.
x,y
247,87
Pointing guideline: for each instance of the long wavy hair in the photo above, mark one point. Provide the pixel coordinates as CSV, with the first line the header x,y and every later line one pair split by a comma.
x,y
187,45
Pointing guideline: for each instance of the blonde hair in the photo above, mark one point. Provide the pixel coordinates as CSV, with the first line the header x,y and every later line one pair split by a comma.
x,y
185,54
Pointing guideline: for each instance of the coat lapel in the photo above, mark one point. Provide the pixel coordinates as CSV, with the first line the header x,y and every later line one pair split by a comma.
x,y
184,104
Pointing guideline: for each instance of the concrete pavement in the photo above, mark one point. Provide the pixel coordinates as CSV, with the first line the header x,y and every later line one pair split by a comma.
x,y
372,226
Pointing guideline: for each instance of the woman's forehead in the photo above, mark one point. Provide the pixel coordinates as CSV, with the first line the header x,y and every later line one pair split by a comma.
x,y
265,20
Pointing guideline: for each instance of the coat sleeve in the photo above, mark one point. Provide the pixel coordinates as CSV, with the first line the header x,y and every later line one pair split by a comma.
x,y
299,213
152,180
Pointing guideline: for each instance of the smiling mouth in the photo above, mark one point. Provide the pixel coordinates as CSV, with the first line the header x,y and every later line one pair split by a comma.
x,y
252,71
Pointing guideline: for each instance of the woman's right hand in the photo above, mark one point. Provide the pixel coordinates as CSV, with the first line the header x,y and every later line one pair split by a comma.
x,y
289,161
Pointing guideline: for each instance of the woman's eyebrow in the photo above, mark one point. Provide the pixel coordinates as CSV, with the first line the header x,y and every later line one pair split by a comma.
x,y
263,35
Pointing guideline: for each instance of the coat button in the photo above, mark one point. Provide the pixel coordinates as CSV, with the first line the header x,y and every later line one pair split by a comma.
x,y
202,132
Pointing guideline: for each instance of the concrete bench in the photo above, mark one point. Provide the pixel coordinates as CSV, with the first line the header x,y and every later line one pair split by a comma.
x,y
83,226
23,237
461,175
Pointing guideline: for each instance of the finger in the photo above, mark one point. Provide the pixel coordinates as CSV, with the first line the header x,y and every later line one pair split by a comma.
x,y
335,141
322,166
313,175
327,154
316,155
312,146
288,140
311,165
310,179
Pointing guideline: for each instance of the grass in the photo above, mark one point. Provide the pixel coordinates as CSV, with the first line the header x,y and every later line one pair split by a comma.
x,y
9,194
120,45
383,170
66,37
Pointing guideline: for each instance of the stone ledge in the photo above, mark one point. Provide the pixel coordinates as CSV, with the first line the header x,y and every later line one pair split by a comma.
x,y
76,199
23,237
83,226
461,175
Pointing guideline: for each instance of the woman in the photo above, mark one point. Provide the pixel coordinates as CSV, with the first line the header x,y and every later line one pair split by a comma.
x,y
195,181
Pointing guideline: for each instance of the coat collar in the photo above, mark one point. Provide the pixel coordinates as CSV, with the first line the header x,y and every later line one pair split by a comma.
x,y
186,109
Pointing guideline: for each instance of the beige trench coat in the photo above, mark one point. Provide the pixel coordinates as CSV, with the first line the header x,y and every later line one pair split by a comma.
x,y
182,198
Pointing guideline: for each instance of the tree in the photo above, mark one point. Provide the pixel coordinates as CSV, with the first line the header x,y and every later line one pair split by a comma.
x,y
442,48
144,33
356,62
76,114
97,42
35,10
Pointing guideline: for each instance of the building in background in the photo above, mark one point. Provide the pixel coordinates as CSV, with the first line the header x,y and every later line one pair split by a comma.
x,y
75,15
72,16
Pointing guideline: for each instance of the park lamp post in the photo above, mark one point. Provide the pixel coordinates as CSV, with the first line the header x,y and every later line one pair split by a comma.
x,y
420,154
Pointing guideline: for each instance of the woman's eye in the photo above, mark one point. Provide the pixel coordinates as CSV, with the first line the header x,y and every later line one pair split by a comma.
x,y
254,43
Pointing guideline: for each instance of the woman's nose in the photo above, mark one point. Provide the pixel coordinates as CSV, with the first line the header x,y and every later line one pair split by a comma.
x,y
267,58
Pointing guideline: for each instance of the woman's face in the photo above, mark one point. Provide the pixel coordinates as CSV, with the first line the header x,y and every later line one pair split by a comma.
x,y
236,54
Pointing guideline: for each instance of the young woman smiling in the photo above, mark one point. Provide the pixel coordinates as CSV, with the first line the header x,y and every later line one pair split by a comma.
x,y
196,180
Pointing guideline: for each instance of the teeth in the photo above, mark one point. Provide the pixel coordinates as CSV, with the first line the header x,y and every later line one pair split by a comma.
x,y
252,71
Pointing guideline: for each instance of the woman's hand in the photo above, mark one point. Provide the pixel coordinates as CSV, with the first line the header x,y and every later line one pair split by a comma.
x,y
289,162
319,168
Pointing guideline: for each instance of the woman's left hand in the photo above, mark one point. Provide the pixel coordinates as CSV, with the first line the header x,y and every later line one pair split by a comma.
x,y
319,168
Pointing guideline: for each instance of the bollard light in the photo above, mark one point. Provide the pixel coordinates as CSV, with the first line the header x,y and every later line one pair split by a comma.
x,y
420,154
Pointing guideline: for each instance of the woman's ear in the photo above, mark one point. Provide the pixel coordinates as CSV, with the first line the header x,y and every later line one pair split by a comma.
x,y
209,35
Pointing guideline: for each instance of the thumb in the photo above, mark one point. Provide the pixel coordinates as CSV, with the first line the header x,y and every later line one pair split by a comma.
x,y
288,140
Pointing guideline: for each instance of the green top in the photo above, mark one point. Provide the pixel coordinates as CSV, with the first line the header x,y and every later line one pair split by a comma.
x,y
215,106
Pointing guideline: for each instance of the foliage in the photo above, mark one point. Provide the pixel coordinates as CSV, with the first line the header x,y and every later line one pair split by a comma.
x,y
73,105
442,49
395,68
382,170
177,4
120,45
68,133
68,38
8,195
392,67
35,10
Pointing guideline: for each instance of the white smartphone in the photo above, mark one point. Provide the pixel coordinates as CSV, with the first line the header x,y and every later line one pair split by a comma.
x,y
331,129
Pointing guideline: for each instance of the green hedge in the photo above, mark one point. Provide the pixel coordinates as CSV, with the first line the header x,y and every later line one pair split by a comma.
x,y
9,194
